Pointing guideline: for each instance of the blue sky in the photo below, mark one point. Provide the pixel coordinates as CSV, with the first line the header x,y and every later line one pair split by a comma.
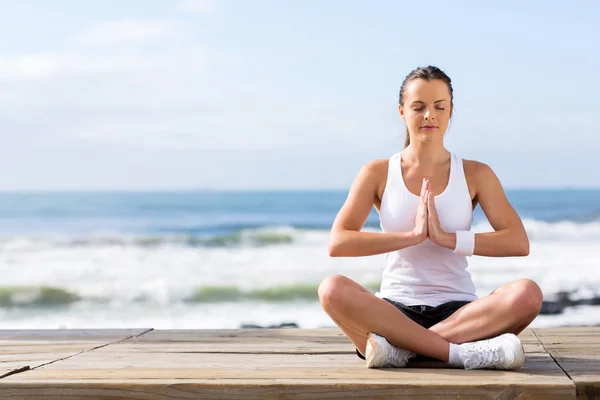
x,y
287,94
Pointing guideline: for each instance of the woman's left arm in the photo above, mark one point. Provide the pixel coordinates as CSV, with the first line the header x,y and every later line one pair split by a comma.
x,y
509,238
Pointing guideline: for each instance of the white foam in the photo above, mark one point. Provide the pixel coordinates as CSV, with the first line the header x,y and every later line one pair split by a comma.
x,y
164,275
563,231
306,315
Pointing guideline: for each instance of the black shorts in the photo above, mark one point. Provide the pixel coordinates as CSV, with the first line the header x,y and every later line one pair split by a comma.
x,y
426,316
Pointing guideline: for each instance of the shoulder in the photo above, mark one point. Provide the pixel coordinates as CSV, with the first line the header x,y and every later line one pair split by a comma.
x,y
376,167
372,171
479,174
375,173
476,169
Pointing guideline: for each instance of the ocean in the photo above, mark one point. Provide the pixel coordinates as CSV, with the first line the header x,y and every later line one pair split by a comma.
x,y
224,259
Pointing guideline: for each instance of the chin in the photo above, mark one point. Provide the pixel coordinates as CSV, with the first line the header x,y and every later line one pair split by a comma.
x,y
428,138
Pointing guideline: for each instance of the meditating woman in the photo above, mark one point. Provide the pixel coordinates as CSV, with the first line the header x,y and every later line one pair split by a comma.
x,y
425,196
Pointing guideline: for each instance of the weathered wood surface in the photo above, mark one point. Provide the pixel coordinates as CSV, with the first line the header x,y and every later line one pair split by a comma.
x,y
577,351
284,363
21,350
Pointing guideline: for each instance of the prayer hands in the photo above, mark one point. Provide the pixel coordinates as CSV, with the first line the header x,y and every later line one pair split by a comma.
x,y
421,223
434,229
427,222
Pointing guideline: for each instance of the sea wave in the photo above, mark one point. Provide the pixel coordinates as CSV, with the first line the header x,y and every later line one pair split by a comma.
x,y
258,237
47,296
272,236
278,293
553,231
31,296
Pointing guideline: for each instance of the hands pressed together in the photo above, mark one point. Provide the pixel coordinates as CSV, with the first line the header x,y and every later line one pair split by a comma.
x,y
427,222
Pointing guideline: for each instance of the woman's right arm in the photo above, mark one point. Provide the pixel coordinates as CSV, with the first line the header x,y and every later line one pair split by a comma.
x,y
346,238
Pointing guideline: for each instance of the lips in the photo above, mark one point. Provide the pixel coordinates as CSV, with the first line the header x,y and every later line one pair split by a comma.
x,y
428,127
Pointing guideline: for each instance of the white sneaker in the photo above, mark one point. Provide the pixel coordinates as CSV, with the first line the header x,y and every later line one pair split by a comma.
x,y
501,352
382,354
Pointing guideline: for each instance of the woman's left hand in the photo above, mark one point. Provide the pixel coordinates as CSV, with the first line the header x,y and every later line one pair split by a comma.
x,y
435,232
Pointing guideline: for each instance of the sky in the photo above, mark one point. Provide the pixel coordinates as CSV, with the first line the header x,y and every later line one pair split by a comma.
x,y
280,95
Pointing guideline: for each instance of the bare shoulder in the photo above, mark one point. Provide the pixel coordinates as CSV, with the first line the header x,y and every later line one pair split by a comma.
x,y
374,171
378,173
475,167
477,174
377,166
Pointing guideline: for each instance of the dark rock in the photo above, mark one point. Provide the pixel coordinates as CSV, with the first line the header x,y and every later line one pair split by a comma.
x,y
594,301
564,299
561,300
551,308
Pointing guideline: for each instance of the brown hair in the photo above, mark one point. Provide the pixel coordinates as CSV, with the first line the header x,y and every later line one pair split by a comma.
x,y
428,73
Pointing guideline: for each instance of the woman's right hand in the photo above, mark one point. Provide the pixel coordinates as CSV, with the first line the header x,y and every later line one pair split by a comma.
x,y
420,230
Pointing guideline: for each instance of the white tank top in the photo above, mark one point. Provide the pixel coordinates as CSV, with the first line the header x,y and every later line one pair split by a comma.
x,y
426,274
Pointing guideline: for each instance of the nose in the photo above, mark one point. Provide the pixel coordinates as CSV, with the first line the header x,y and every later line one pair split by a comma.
x,y
428,115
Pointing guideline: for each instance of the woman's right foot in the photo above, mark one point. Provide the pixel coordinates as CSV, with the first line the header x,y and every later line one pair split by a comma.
x,y
382,354
501,352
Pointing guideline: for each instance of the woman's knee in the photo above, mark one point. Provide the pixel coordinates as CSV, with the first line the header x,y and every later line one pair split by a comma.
x,y
332,291
527,297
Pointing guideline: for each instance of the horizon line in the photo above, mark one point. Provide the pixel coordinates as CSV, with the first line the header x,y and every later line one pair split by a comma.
x,y
217,190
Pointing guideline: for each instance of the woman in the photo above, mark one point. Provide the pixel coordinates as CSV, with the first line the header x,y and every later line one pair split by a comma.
x,y
425,196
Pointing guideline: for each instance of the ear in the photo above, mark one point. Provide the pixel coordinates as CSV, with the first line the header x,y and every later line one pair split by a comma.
x,y
401,110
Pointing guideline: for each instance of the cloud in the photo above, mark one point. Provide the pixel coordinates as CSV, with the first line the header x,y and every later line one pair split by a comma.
x,y
185,111
233,127
127,31
196,6
30,66
47,65
171,95
125,52
177,96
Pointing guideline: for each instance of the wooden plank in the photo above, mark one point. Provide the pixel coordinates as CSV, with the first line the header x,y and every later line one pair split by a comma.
x,y
71,335
577,351
567,331
176,364
266,341
322,335
272,389
302,341
24,349
232,366
216,376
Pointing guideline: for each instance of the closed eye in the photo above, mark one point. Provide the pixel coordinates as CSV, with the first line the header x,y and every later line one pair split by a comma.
x,y
421,109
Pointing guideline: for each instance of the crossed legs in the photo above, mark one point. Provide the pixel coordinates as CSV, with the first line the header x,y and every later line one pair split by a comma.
x,y
509,308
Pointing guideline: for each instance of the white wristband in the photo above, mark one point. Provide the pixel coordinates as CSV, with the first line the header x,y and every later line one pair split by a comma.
x,y
465,243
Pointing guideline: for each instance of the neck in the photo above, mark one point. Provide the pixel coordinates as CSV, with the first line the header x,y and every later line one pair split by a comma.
x,y
426,153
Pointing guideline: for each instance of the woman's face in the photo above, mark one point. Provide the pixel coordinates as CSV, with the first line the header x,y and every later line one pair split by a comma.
x,y
427,109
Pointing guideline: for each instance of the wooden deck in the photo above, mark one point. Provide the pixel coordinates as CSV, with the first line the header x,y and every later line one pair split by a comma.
x,y
562,363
